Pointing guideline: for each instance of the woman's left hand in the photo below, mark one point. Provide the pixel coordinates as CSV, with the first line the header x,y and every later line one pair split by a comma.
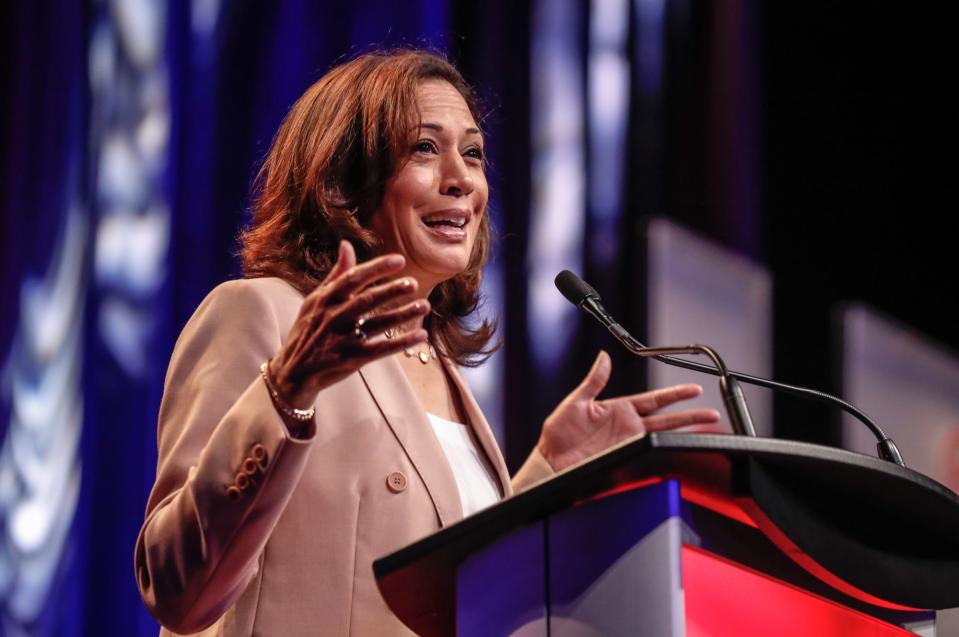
x,y
582,426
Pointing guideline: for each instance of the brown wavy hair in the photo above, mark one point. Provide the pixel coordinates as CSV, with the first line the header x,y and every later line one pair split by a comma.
x,y
325,175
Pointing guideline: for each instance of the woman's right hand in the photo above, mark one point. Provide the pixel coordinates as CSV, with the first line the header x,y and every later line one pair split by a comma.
x,y
322,347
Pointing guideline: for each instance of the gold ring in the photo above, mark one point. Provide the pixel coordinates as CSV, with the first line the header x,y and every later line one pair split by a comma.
x,y
358,329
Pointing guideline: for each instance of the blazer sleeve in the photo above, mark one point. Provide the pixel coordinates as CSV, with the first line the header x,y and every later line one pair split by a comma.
x,y
534,470
226,467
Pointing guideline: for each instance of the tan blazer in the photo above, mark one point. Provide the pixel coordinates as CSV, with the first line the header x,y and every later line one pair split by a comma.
x,y
251,532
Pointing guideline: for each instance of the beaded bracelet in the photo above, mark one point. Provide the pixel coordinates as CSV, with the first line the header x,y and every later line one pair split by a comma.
x,y
300,415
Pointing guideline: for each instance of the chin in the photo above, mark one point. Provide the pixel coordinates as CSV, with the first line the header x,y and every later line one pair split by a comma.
x,y
445,274
440,272
444,261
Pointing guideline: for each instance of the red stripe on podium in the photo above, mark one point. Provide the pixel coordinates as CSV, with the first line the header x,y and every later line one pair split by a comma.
x,y
726,599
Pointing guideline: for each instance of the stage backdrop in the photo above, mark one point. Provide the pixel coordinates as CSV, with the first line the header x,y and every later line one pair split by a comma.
x,y
131,130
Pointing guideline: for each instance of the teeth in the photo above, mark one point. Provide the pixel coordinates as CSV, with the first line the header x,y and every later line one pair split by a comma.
x,y
458,223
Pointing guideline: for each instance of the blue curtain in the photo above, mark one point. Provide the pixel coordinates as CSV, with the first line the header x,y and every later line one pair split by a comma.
x,y
46,254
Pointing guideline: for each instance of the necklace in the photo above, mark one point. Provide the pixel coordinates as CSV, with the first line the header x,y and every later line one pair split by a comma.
x,y
424,356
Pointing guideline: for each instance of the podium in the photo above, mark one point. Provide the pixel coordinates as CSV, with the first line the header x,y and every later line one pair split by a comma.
x,y
693,534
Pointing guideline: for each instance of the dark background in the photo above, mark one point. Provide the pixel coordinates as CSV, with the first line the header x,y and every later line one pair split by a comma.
x,y
859,190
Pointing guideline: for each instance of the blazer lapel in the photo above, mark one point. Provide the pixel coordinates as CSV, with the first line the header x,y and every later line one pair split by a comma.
x,y
386,382
481,428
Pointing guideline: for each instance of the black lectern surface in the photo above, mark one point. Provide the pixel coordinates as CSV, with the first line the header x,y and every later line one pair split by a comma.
x,y
878,529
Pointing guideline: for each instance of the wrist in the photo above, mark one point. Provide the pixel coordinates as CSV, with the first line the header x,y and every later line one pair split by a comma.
x,y
544,451
290,391
291,412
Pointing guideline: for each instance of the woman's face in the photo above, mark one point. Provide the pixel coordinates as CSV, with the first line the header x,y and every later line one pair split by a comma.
x,y
432,207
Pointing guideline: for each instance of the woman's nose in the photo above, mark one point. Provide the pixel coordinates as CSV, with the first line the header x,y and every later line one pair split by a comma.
x,y
457,180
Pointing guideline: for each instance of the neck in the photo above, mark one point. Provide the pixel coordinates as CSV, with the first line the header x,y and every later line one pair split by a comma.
x,y
424,289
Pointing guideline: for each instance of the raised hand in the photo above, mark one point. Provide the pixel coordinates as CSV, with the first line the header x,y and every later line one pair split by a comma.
x,y
324,346
582,426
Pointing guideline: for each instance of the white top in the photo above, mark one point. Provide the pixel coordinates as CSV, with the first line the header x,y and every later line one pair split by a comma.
x,y
474,478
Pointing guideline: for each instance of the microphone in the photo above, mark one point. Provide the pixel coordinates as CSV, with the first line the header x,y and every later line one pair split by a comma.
x,y
583,296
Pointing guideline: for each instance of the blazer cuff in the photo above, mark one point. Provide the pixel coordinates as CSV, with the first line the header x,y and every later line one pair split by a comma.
x,y
534,470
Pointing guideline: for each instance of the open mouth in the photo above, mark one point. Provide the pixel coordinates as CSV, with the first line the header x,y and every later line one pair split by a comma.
x,y
449,225
452,219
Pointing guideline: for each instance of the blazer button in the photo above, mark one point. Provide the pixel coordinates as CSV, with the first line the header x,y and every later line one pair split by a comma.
x,y
396,482
250,467
259,453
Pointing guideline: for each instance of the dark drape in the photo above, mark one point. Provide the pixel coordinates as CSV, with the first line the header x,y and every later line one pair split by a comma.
x,y
42,184
858,177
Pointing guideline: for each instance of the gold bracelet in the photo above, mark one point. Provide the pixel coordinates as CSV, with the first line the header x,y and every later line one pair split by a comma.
x,y
300,415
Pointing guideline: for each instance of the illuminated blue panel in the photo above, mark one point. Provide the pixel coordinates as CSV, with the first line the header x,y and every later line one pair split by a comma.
x,y
608,85
558,200
501,590
130,115
40,465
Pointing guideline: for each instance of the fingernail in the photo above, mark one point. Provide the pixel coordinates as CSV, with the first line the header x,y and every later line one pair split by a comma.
x,y
395,261
406,284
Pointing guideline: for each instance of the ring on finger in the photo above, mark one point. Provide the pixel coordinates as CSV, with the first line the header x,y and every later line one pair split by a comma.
x,y
358,328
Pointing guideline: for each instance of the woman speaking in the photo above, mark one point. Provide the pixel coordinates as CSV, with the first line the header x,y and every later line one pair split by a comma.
x,y
314,418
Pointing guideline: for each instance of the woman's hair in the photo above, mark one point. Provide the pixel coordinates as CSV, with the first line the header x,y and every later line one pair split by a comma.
x,y
325,176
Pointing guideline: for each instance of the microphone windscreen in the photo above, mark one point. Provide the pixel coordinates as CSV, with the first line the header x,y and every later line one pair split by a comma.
x,y
574,288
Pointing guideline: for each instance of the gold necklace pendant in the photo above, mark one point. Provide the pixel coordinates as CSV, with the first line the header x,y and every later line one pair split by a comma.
x,y
424,357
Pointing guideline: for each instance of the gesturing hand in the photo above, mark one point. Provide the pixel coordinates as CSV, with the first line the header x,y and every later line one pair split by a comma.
x,y
323,347
582,426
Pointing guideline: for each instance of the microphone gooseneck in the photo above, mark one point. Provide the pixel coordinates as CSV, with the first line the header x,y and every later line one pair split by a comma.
x,y
585,297
582,294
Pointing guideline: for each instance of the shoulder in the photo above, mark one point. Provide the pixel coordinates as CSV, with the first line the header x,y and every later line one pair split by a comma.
x,y
247,311
237,326
250,300
263,291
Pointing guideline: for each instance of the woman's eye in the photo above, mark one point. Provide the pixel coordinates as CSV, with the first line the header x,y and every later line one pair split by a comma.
x,y
475,153
424,146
